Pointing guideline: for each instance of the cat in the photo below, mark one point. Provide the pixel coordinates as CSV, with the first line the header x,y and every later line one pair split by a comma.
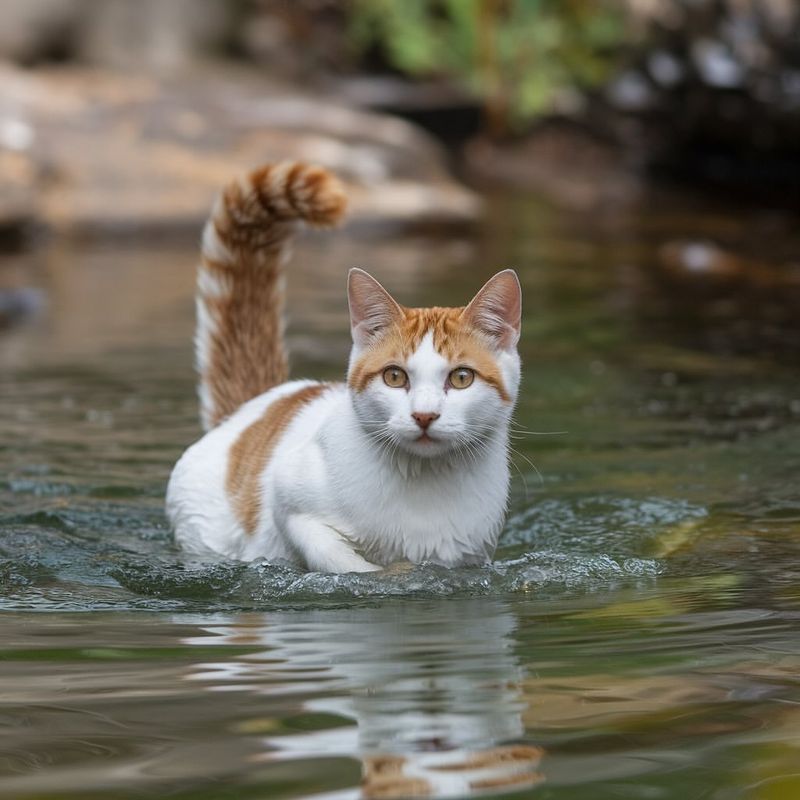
x,y
405,461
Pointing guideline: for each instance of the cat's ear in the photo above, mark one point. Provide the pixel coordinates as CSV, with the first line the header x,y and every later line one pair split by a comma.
x,y
496,310
372,308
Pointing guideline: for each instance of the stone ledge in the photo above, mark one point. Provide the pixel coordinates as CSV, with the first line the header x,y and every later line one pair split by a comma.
x,y
105,154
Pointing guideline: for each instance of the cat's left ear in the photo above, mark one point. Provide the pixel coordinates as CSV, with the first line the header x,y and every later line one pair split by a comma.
x,y
496,310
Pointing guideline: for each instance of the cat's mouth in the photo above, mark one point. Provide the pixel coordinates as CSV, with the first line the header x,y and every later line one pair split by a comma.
x,y
428,446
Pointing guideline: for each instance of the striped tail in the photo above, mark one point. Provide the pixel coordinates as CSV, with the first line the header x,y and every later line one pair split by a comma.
x,y
239,348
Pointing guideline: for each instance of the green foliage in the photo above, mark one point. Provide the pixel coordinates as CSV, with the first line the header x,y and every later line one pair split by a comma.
x,y
519,56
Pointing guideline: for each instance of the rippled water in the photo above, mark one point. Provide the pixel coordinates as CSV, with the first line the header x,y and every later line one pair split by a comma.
x,y
638,635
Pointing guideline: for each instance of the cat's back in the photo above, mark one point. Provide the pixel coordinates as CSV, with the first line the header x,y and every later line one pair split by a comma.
x,y
218,500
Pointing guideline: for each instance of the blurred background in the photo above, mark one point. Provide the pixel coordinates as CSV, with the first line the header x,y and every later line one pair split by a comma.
x,y
116,114
120,120
123,118
638,163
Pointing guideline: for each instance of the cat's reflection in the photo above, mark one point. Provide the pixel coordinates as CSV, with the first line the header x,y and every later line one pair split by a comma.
x,y
432,688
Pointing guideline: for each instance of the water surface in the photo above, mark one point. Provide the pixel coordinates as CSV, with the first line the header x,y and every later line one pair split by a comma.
x,y
638,635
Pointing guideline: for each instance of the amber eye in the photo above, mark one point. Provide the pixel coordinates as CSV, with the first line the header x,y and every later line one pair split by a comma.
x,y
461,378
395,377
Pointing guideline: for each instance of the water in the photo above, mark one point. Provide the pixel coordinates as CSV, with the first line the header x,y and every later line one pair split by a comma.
x,y
637,637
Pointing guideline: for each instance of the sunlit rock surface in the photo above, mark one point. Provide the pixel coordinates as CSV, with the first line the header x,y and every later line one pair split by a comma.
x,y
95,152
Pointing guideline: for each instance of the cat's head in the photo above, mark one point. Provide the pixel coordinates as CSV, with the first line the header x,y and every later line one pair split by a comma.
x,y
433,381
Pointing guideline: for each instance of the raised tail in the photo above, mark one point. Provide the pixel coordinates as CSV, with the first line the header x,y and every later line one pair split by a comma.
x,y
239,348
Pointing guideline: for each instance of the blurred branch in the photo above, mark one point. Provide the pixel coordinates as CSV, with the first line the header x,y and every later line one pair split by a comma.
x,y
521,57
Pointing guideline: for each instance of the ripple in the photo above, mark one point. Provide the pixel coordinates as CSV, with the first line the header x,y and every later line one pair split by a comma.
x,y
621,525
23,572
260,583
95,556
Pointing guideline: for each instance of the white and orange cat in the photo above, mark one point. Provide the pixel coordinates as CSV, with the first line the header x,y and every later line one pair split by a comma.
x,y
406,460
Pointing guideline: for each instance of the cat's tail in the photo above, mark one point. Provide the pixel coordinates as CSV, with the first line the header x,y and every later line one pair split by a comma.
x,y
239,347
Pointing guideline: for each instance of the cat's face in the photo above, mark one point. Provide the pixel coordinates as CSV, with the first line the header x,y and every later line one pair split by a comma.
x,y
434,381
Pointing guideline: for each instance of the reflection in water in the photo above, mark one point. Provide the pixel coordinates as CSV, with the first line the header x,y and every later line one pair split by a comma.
x,y
432,689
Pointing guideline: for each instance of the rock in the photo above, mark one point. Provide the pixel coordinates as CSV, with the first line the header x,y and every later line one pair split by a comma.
x,y
17,304
18,197
561,161
712,93
716,64
630,91
442,107
151,34
32,29
147,34
700,259
704,262
112,154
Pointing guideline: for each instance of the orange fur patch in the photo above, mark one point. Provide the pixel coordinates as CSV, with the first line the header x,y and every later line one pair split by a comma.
x,y
495,757
453,338
384,779
517,780
251,451
383,765
252,226
247,356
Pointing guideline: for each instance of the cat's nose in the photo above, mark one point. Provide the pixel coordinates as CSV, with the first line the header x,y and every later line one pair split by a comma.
x,y
424,420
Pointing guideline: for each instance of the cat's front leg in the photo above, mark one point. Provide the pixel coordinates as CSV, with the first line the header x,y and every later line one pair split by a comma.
x,y
323,548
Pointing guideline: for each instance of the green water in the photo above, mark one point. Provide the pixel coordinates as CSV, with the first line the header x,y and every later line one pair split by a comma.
x,y
641,624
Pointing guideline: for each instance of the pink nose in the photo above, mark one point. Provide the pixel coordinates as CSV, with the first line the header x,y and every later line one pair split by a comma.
x,y
424,420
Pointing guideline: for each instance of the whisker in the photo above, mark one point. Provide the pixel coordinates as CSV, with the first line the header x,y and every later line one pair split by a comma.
x,y
522,476
533,466
525,432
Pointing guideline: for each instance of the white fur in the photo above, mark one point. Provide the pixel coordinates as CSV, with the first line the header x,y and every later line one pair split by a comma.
x,y
212,246
204,336
349,488
213,286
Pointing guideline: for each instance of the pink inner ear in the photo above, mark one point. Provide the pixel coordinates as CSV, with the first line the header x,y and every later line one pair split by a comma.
x,y
372,308
497,309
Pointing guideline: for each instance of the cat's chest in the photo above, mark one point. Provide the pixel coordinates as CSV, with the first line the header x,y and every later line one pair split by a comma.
x,y
445,518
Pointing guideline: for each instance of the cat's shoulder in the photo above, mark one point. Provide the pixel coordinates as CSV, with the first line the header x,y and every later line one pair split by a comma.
x,y
264,417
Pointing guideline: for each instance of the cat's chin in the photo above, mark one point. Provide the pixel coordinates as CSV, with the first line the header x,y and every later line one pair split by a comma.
x,y
427,447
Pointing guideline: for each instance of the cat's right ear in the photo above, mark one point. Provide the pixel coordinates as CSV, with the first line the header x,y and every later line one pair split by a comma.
x,y
372,308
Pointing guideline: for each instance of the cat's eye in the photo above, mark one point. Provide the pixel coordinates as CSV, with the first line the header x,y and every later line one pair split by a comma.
x,y
461,378
395,378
